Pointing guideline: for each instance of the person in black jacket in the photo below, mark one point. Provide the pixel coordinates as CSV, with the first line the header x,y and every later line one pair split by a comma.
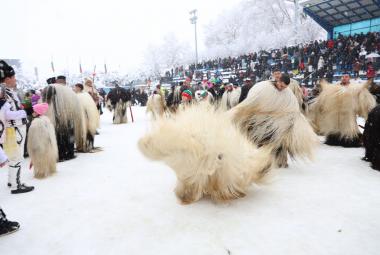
x,y
245,89
371,138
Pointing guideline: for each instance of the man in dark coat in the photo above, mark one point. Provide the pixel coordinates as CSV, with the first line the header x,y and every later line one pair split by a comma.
x,y
245,89
371,138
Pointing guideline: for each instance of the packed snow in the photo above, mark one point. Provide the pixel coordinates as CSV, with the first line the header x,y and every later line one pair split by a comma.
x,y
118,202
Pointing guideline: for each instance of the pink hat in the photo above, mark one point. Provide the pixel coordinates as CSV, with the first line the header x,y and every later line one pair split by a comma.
x,y
41,109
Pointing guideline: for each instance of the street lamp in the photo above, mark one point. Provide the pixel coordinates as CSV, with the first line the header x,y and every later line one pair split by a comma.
x,y
193,20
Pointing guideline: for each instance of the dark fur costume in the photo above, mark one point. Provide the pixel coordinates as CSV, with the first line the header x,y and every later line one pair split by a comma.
x,y
65,131
371,138
117,100
117,94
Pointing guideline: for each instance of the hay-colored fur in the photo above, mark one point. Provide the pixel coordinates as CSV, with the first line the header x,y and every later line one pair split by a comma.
x,y
120,112
230,99
295,88
155,106
65,111
272,118
209,155
42,147
91,121
335,110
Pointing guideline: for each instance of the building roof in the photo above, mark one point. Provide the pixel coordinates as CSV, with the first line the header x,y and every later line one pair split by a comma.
x,y
334,13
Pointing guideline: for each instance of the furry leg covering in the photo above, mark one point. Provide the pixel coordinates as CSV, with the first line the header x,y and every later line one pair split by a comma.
x,y
120,113
208,154
42,147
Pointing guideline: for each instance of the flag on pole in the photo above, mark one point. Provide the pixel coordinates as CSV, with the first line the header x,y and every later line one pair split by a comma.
x,y
80,68
52,66
36,72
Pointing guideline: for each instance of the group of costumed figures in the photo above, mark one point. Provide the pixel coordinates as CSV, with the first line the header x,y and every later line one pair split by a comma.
x,y
64,121
218,148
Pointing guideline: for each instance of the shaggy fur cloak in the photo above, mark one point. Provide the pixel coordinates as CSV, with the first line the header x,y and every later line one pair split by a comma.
x,y
66,116
118,99
272,118
335,110
42,147
91,117
155,106
208,154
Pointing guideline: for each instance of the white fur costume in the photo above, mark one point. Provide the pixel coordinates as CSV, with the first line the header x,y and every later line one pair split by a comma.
x,y
334,112
66,116
272,118
230,98
155,106
209,155
42,147
91,122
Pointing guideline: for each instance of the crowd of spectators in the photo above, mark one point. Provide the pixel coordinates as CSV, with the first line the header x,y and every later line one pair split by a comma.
x,y
310,61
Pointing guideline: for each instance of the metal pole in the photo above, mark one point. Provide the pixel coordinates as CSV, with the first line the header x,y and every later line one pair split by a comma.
x,y
296,19
196,45
193,20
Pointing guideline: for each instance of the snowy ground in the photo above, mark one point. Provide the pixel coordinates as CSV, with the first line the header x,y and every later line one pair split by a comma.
x,y
117,202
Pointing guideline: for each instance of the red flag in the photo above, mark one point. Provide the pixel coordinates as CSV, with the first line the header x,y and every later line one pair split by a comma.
x,y
80,68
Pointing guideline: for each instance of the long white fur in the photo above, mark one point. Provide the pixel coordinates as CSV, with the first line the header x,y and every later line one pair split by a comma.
x,y
295,88
91,119
42,147
66,109
335,110
274,112
155,106
120,114
209,155
232,97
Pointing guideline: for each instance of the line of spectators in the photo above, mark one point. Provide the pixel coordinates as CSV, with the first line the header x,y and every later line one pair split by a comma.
x,y
313,60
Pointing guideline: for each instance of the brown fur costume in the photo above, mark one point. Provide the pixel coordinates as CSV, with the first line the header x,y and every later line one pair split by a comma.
x,y
334,112
209,155
42,147
272,118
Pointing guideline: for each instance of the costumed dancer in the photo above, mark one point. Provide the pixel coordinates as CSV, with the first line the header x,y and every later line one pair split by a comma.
x,y
271,117
203,96
12,128
155,105
90,88
211,157
91,119
118,100
371,138
67,118
42,143
294,86
6,226
230,97
334,112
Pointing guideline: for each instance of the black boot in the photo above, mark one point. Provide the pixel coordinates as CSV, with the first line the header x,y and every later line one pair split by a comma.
x,y
6,226
22,189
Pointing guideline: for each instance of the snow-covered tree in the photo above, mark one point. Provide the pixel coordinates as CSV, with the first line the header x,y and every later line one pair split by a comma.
x,y
254,25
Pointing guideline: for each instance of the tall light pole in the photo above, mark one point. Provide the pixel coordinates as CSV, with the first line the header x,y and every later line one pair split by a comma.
x,y
296,18
193,20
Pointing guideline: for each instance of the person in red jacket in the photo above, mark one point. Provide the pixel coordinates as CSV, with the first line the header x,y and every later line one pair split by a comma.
x,y
370,71
330,44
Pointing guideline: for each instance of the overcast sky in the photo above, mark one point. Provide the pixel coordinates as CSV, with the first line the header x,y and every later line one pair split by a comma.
x,y
115,31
